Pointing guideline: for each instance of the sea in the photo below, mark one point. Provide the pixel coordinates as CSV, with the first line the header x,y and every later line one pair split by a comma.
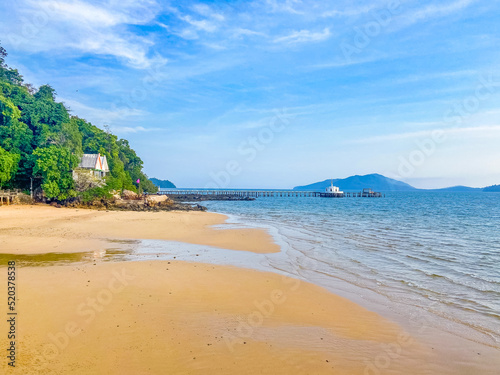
x,y
430,254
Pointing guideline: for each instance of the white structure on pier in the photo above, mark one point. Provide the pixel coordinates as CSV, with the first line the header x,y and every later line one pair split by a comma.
x,y
333,189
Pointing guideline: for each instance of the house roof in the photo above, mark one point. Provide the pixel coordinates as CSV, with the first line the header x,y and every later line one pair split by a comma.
x,y
104,164
94,161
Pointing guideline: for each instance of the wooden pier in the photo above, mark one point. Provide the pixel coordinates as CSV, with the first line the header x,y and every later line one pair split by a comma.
x,y
366,193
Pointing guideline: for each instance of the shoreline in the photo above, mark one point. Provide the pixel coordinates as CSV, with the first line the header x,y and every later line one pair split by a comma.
x,y
210,300
44,229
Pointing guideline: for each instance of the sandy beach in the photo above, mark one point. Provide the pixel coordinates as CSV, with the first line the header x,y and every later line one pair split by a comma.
x,y
43,229
187,318
158,317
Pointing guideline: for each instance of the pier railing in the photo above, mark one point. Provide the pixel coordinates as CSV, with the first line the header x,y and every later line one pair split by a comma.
x,y
267,193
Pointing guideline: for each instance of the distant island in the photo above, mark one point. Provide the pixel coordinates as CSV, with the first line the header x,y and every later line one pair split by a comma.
x,y
356,183
378,182
162,184
492,189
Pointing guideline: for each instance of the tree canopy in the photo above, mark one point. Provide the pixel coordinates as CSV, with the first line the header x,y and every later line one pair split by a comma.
x,y
8,165
40,138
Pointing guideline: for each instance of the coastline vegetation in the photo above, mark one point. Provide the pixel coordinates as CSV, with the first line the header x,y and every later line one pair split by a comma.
x,y
41,142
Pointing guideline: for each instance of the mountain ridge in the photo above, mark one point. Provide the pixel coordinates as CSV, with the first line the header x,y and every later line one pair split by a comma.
x,y
378,182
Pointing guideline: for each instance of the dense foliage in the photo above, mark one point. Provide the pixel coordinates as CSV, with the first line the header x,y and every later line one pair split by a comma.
x,y
40,140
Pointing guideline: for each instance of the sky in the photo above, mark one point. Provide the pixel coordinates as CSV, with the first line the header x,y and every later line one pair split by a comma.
x,y
274,94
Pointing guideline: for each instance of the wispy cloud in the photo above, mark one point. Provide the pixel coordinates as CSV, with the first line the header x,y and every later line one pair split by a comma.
x,y
436,75
482,131
200,18
204,25
304,36
285,6
238,32
101,116
341,62
432,11
353,10
205,10
90,28
133,129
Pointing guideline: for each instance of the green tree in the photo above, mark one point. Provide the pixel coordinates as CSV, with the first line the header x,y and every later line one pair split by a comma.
x,y
55,165
3,55
15,135
46,92
8,165
48,141
6,73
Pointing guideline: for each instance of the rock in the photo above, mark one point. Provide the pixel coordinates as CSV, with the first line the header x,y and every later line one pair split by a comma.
x,y
156,199
128,194
22,199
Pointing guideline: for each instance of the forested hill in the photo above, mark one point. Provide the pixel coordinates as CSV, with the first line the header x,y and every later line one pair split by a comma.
x,y
492,189
355,183
39,138
163,184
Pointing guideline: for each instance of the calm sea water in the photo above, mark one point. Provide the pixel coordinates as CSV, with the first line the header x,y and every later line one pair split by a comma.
x,y
432,250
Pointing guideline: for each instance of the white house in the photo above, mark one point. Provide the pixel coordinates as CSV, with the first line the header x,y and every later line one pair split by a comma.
x,y
95,164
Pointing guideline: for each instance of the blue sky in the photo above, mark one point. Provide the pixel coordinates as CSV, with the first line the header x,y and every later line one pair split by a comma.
x,y
273,93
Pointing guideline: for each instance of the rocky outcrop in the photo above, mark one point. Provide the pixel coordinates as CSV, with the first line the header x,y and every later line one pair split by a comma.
x,y
129,195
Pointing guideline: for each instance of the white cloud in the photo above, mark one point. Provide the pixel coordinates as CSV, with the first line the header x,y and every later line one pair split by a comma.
x,y
82,12
209,22
133,129
304,36
432,11
339,63
100,116
96,28
437,75
246,32
284,6
353,11
486,131
205,10
203,25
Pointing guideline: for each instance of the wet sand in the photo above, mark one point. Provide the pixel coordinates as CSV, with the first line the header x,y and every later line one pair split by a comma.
x,y
43,229
191,318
